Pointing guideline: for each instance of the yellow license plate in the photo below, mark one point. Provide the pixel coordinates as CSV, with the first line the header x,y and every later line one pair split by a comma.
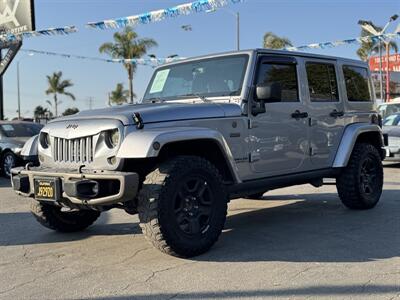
x,y
47,188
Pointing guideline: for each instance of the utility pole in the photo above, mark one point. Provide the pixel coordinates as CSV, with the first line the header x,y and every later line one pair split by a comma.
x,y
19,94
380,70
90,102
238,30
1,94
369,26
387,72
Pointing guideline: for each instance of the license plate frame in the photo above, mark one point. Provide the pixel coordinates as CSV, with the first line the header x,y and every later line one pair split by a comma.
x,y
47,188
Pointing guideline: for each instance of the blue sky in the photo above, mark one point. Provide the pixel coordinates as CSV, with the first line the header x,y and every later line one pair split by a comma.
x,y
302,21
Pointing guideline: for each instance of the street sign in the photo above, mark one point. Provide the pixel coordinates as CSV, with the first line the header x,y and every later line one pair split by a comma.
x,y
17,16
10,54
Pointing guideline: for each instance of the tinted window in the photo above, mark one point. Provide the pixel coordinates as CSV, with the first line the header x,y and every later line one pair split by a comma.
x,y
20,130
322,82
357,86
282,79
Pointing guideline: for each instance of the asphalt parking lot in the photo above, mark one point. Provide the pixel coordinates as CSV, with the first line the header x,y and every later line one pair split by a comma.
x,y
296,243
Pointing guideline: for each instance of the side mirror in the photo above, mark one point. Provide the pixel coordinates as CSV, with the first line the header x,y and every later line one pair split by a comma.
x,y
263,91
269,92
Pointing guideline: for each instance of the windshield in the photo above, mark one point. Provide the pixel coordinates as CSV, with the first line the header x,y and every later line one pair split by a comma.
x,y
20,130
392,120
220,76
389,109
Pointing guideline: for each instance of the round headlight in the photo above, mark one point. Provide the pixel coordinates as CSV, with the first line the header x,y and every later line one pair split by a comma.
x,y
44,140
112,138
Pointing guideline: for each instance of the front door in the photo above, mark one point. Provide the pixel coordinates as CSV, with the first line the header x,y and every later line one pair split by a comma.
x,y
326,111
279,137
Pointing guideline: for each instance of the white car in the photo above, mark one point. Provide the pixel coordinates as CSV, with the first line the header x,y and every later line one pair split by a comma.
x,y
389,108
391,127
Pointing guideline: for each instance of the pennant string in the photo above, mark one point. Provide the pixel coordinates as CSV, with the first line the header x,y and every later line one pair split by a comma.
x,y
9,37
138,61
365,39
159,15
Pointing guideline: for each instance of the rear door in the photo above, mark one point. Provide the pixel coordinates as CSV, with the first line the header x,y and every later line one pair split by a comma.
x,y
326,110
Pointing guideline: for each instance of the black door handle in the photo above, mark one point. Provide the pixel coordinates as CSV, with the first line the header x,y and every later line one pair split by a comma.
x,y
336,114
299,115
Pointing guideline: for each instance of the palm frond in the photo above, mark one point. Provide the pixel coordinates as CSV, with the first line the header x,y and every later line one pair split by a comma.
x,y
69,95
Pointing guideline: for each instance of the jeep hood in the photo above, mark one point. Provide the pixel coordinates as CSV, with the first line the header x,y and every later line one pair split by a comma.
x,y
163,112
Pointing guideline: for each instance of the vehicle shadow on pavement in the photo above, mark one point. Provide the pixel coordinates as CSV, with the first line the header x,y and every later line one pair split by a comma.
x,y
344,291
5,183
318,229
21,228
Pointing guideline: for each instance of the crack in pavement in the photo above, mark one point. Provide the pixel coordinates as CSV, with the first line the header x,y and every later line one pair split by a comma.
x,y
154,273
49,272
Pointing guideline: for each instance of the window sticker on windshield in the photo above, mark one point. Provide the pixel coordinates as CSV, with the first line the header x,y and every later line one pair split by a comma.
x,y
7,127
159,81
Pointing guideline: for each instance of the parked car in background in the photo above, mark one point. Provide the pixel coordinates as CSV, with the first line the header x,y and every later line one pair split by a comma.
x,y
391,127
388,109
13,135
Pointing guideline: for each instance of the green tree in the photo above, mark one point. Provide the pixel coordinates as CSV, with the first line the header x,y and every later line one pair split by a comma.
x,y
57,86
70,111
119,95
127,45
40,112
368,48
272,41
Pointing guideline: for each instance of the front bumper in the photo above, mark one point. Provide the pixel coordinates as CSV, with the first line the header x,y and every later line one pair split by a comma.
x,y
113,187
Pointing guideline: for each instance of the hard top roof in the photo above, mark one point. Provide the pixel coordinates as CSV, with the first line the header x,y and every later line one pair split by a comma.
x,y
273,52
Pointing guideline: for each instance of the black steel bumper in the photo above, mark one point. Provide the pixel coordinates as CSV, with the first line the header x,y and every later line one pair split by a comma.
x,y
87,187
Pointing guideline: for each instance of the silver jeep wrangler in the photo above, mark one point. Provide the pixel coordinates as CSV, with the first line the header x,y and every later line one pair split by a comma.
x,y
208,130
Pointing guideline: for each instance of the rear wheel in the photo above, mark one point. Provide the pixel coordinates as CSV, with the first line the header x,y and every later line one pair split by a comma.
x,y
360,184
182,206
52,217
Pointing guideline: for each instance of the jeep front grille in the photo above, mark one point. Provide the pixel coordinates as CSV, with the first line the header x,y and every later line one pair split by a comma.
x,y
78,150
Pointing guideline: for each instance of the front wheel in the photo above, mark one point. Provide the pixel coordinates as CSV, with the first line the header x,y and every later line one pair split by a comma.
x,y
52,217
183,205
360,184
8,161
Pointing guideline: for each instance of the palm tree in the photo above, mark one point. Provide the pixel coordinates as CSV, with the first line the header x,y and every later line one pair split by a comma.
x,y
57,87
272,41
127,45
39,112
119,95
368,48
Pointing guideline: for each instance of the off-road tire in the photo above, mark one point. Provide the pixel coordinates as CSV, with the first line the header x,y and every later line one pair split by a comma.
x,y
350,186
51,216
157,206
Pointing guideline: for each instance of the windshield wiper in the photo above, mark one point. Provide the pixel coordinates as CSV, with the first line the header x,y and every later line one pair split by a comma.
x,y
201,97
155,99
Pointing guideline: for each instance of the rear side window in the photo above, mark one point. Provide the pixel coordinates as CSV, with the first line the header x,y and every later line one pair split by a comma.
x,y
357,86
283,81
322,82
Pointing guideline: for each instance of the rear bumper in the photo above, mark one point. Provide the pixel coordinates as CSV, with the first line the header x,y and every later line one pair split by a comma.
x,y
106,188
393,152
